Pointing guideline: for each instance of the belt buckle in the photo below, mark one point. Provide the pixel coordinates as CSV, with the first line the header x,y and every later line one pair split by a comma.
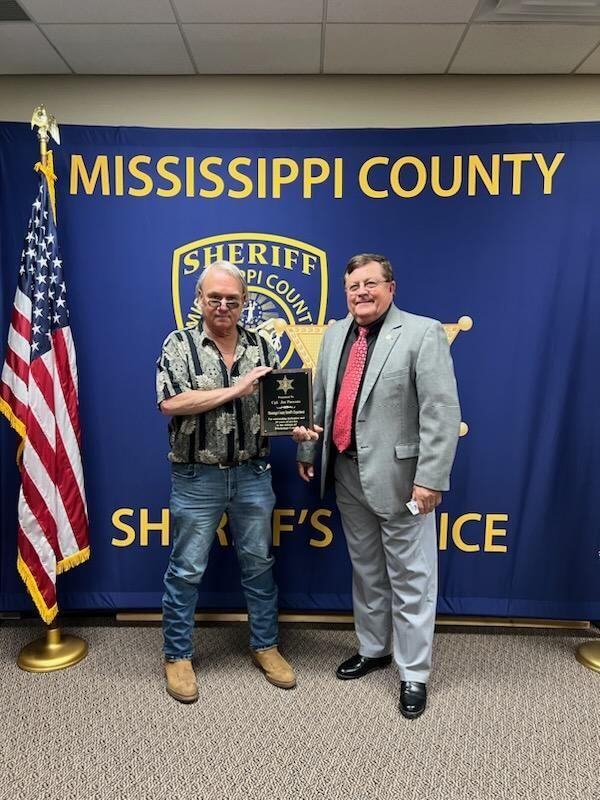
x,y
230,464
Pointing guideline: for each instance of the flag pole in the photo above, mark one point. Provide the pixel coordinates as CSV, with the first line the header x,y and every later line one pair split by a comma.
x,y
55,651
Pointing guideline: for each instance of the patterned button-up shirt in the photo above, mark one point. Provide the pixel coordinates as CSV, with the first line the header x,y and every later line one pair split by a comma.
x,y
230,432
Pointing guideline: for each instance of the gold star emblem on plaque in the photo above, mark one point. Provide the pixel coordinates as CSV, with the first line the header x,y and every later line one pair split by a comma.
x,y
285,384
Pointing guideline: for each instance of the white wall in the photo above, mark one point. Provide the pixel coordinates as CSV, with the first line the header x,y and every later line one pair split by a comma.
x,y
302,102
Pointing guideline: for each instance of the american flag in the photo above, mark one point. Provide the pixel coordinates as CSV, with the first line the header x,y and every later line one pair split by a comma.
x,y
38,395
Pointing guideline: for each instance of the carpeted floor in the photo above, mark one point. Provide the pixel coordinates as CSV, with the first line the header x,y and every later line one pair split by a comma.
x,y
510,715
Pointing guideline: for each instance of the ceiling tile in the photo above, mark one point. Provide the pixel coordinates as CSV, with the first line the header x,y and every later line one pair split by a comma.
x,y
25,51
389,49
116,11
526,49
400,10
244,11
121,49
254,49
592,64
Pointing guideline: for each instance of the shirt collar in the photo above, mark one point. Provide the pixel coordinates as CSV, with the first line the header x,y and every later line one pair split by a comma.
x,y
206,339
242,344
374,327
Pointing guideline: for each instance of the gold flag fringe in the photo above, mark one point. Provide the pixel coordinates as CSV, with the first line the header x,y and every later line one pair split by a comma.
x,y
16,424
45,612
73,560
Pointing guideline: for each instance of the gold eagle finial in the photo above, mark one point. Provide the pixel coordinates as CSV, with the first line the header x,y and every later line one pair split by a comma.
x,y
46,123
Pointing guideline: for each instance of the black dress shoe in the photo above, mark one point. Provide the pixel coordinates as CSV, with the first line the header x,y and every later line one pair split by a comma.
x,y
413,699
358,665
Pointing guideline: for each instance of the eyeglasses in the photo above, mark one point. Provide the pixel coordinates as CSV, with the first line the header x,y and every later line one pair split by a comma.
x,y
215,302
369,285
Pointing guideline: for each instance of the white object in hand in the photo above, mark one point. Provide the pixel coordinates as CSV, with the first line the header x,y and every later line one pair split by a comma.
x,y
413,507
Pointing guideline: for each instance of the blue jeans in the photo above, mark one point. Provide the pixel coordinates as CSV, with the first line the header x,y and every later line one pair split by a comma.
x,y
200,494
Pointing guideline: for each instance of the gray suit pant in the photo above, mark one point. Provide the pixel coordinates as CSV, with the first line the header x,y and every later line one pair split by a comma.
x,y
394,577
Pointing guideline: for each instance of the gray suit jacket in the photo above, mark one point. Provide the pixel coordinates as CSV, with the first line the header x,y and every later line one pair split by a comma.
x,y
408,415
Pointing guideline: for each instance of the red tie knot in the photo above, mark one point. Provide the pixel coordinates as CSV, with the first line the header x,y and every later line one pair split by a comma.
x,y
362,332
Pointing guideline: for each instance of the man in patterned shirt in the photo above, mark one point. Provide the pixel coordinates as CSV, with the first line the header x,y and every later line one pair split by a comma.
x,y
207,382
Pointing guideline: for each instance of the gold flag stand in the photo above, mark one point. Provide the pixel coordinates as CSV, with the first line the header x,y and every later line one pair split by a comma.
x,y
54,651
588,654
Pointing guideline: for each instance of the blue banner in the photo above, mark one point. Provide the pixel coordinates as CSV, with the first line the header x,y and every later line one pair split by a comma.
x,y
493,230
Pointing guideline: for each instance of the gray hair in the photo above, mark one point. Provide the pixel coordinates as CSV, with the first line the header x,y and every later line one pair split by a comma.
x,y
222,266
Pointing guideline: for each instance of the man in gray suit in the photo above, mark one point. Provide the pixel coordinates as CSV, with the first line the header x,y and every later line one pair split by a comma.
x,y
385,394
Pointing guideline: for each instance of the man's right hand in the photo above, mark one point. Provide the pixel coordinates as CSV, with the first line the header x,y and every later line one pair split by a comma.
x,y
248,383
301,434
306,471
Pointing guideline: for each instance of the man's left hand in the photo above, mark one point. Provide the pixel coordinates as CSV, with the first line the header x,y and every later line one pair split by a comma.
x,y
427,499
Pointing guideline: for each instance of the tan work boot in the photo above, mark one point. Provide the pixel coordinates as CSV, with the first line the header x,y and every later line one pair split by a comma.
x,y
276,669
181,681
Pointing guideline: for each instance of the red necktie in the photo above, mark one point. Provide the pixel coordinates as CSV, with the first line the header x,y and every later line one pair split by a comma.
x,y
342,424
